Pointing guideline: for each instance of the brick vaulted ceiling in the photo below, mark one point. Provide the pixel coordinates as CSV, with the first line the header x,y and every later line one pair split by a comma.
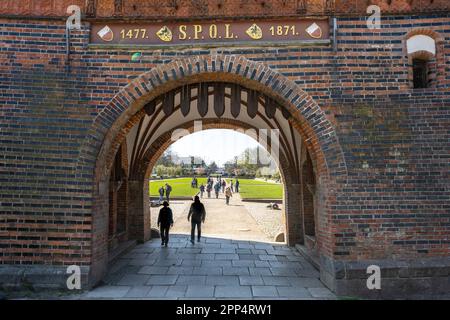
x,y
176,9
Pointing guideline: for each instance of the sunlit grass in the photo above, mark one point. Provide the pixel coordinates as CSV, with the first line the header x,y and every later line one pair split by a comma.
x,y
248,189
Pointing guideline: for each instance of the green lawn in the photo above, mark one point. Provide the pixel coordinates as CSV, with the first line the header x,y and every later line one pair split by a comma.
x,y
181,187
255,189
248,189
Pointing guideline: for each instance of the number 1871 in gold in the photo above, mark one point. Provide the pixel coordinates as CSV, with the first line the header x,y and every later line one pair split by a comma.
x,y
283,30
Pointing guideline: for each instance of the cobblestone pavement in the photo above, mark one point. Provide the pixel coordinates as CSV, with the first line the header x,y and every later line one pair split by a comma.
x,y
214,268
270,221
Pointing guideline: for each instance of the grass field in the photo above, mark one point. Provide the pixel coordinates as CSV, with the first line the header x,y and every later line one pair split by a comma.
x,y
254,189
248,188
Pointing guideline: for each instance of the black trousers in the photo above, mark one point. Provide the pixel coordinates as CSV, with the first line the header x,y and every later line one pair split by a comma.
x,y
197,224
164,231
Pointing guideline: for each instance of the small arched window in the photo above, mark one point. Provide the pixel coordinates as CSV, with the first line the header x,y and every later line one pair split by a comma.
x,y
421,51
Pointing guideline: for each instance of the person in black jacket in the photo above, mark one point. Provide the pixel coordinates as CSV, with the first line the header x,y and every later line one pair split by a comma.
x,y
198,213
165,221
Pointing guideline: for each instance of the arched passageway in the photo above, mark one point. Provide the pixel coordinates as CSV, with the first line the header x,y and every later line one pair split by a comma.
x,y
145,117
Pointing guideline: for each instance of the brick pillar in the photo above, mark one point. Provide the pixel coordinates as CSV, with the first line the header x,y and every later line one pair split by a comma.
x,y
139,210
294,226
122,209
100,223
112,209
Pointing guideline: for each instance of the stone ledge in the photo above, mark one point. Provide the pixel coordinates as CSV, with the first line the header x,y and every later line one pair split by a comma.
x,y
37,277
403,279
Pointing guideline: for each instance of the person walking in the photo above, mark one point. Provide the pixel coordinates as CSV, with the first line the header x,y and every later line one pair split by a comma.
x,y
165,222
208,190
202,190
168,191
231,185
217,189
197,215
228,194
224,184
237,186
161,194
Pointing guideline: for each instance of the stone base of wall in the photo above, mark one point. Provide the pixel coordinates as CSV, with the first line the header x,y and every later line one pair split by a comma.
x,y
425,278
38,277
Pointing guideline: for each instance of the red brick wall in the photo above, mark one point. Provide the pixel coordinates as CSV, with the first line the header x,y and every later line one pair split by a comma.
x,y
392,203
215,8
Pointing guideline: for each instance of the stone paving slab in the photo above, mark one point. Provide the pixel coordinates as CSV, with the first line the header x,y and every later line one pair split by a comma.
x,y
235,271
320,293
138,292
217,263
264,291
108,292
207,271
133,280
242,263
162,280
153,270
191,280
157,291
250,280
222,280
293,292
260,271
200,291
233,292
176,292
180,270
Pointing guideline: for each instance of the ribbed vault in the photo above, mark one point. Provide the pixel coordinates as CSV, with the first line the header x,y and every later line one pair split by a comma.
x,y
214,105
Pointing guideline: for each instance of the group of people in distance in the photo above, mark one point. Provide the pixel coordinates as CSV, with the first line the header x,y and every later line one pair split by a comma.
x,y
197,212
219,185
166,189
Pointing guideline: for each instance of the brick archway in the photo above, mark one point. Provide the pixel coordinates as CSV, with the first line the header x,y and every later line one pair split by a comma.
x,y
115,120
292,219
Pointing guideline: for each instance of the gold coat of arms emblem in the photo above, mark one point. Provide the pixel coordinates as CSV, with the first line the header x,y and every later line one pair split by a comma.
x,y
165,34
254,32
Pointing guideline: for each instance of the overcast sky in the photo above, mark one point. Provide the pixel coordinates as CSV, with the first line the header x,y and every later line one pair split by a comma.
x,y
219,145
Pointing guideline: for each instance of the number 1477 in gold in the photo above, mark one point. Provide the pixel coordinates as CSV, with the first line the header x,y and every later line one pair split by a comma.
x,y
133,33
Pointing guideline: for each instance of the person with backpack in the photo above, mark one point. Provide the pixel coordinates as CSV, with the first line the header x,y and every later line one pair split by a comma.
x,y
165,222
228,195
197,215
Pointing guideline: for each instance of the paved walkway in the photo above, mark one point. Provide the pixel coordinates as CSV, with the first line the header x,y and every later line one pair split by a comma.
x,y
235,259
231,221
212,269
